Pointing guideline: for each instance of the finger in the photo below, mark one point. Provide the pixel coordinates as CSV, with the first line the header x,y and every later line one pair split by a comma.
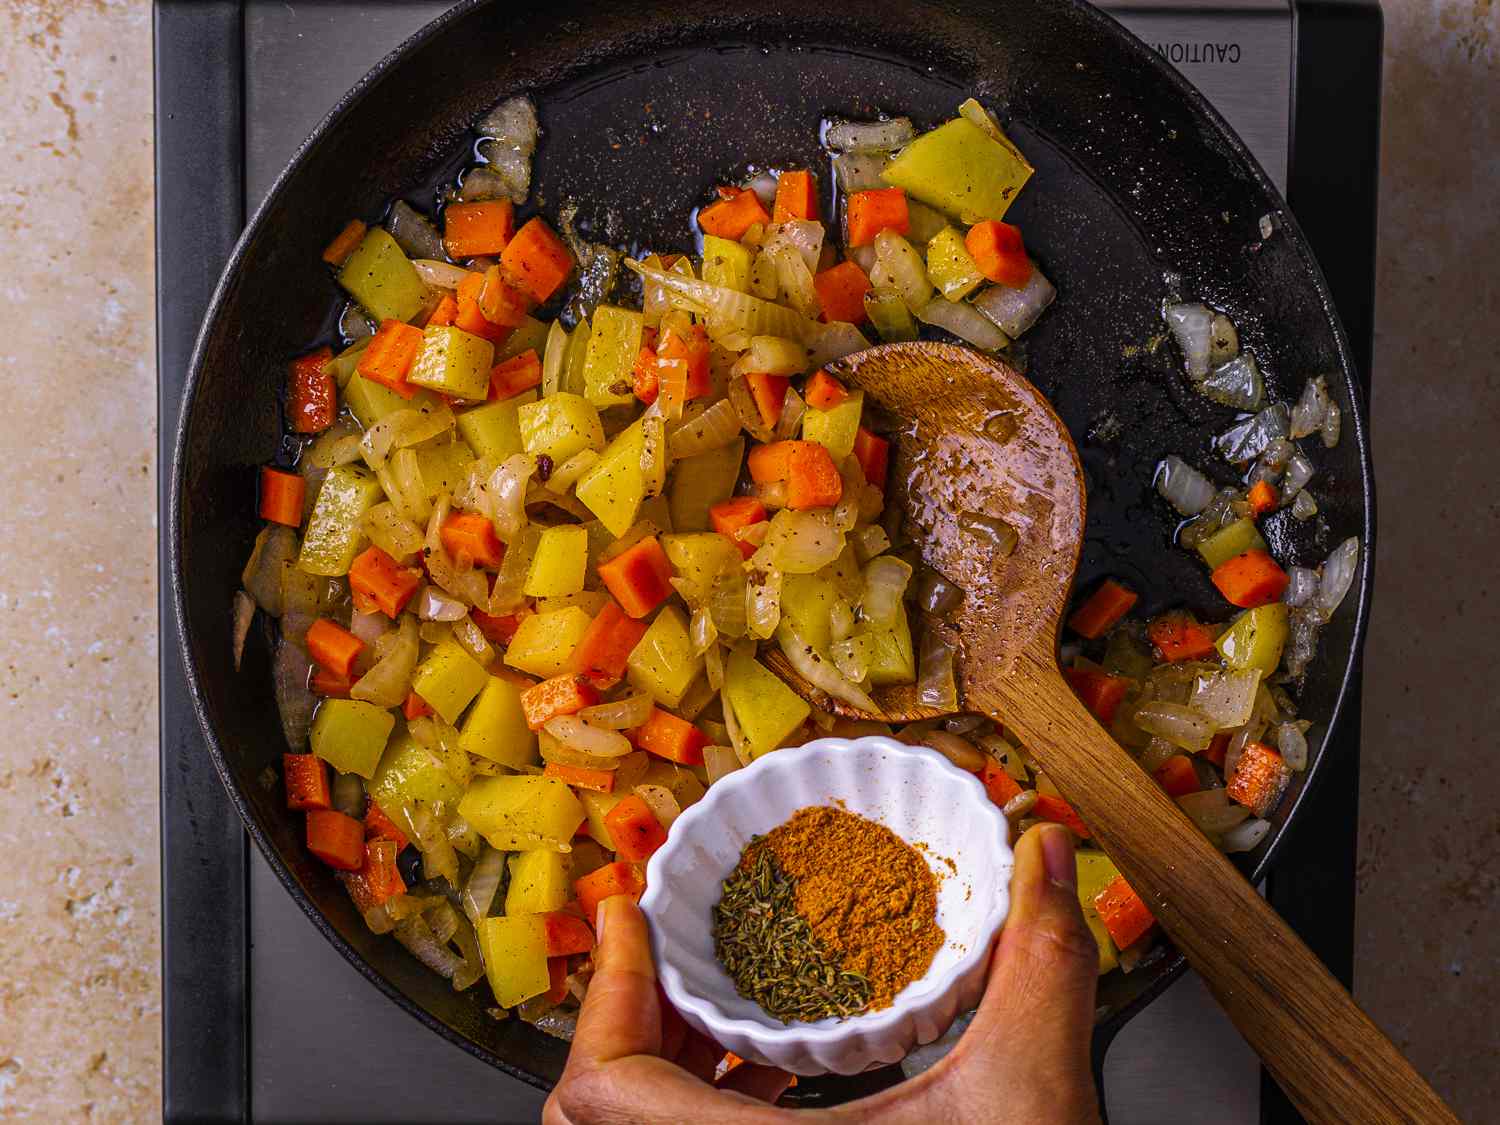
x,y
763,1083
621,1014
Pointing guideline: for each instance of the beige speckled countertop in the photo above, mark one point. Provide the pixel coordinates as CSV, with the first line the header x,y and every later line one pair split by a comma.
x,y
79,1007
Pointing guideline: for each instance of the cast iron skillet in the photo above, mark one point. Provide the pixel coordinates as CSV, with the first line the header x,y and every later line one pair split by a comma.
x,y
1141,192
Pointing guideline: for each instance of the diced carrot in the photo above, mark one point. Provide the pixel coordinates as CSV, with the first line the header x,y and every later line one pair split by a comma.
x,y
378,826
389,356
618,878
336,839
812,479
871,212
566,934
537,260
306,779
732,515
796,197
281,496
634,828
501,301
1097,616
386,584
769,393
311,396
841,292
415,707
331,684
686,353
1123,913
1177,776
874,454
378,878
823,391
998,784
561,695
1262,497
667,736
645,382
470,317
498,629
639,578
557,979
517,374
333,646
997,250
468,533
344,242
1218,749
731,217
1101,693
1180,636
1259,779
1250,580
472,230
1048,807
581,777
445,312
607,645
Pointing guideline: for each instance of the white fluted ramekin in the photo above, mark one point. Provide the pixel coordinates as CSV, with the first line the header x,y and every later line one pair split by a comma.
x,y
915,792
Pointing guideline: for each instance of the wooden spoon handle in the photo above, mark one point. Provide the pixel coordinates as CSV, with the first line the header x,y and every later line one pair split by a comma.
x,y
1332,1061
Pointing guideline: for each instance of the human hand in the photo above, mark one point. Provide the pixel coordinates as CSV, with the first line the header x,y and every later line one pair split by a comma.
x,y
1024,1058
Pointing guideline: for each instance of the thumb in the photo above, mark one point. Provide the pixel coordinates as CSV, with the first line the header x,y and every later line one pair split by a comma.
x,y
621,1012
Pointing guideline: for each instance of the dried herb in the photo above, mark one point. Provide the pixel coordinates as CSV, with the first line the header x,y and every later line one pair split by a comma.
x,y
769,949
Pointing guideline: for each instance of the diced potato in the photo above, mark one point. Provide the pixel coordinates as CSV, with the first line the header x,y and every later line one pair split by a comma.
x,y
835,429
681,780
699,559
443,465
1095,872
1230,540
659,512
663,663
454,362
522,812
590,601
597,806
380,277
493,430
766,709
544,644
559,426
949,266
961,169
701,481
496,726
514,950
370,402
806,601
608,366
333,534
726,263
350,735
893,661
409,772
539,881
1256,639
614,488
449,679
558,565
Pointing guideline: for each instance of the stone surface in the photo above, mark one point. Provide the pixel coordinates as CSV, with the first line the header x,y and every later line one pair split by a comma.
x,y
79,1010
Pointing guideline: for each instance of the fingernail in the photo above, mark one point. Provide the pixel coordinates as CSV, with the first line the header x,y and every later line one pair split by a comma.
x,y
600,914
1058,857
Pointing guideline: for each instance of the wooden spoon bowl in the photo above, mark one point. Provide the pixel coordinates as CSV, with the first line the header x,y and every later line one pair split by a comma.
x,y
981,457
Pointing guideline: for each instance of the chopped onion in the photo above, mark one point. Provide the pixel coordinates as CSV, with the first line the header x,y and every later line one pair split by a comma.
x,y
773,355
1250,437
1302,639
1183,486
726,604
483,182
763,603
472,640
388,682
619,714
805,237
1304,507
422,943
1337,577
1212,811
860,171
747,413
1191,326
1277,454
275,548
484,881
1156,753
1177,723
512,125
1016,310
886,579
852,656
439,275
1302,587
1228,698
1299,471
1021,804
243,614
834,340
660,801
1332,425
923,222
349,794
403,428
936,595
819,670
1292,744
869,541
872,136
575,734
936,685
752,314
369,627
1237,383
435,605
899,266
792,409
964,322
1224,344
1244,836
863,257
800,542
414,232
293,699
1311,408
507,489
794,281
994,533
354,325
720,761
715,428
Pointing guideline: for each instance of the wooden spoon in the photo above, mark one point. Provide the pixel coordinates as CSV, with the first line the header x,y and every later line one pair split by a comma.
x,y
983,451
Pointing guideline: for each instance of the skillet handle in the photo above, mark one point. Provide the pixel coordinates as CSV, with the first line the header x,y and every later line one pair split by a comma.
x,y
1329,1057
